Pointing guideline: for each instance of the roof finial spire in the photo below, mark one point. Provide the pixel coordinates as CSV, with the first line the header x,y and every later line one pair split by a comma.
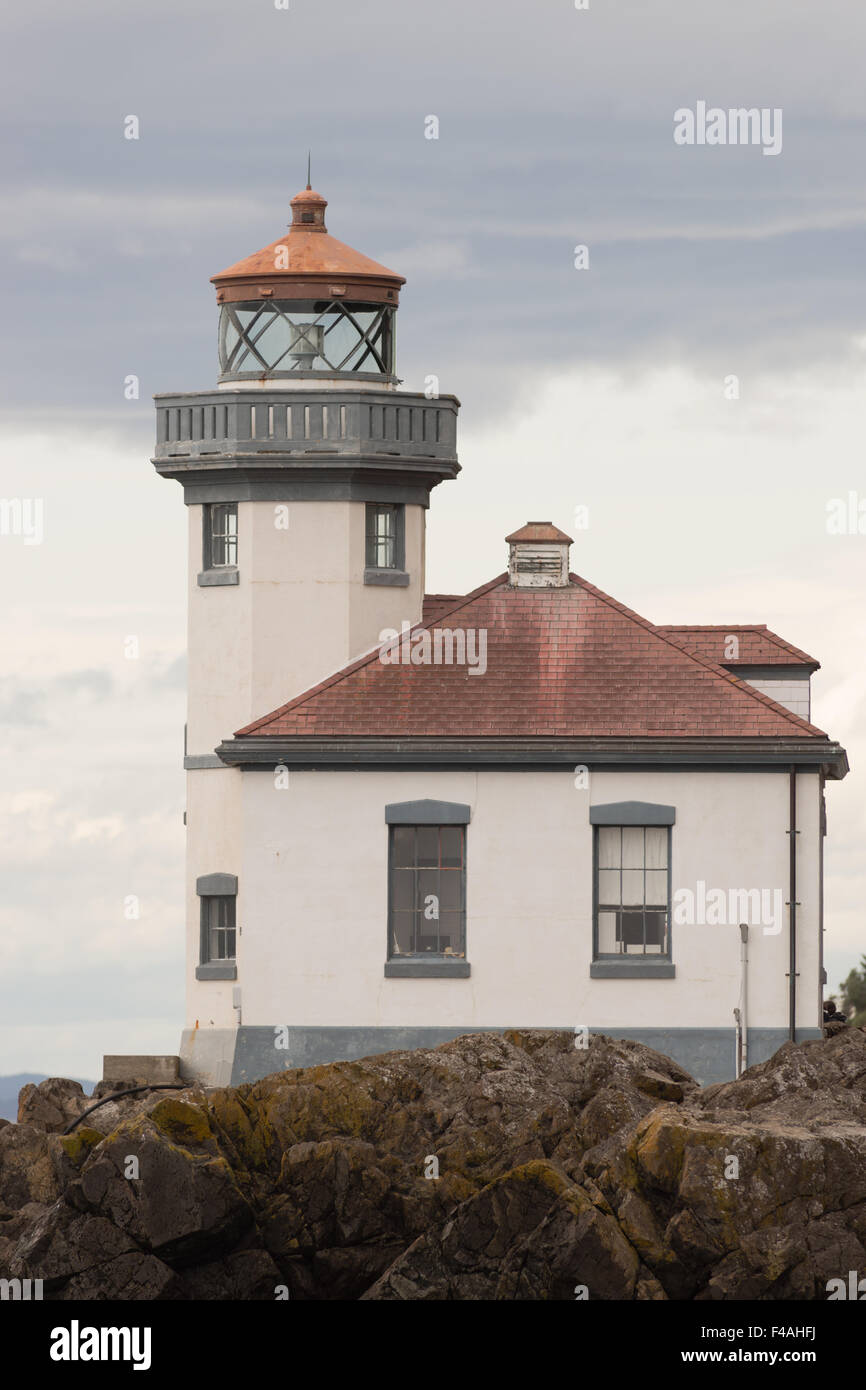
x,y
309,185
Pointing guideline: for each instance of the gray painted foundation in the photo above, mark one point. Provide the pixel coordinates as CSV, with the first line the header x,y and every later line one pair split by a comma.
x,y
233,1056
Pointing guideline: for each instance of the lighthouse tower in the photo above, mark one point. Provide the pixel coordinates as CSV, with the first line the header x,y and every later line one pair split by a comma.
x,y
306,474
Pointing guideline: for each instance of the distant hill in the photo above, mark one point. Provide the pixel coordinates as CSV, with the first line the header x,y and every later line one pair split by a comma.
x,y
11,1085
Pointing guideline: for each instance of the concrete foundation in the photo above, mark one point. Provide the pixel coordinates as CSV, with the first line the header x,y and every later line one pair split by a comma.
x,y
233,1056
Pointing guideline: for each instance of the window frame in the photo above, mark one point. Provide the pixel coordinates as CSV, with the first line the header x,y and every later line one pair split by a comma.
x,y
370,542
631,960
209,564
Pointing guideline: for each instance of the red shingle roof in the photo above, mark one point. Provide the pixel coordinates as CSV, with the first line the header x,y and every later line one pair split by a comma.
x,y
758,646
561,662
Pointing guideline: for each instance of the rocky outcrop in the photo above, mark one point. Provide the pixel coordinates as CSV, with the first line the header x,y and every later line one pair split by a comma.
x,y
514,1167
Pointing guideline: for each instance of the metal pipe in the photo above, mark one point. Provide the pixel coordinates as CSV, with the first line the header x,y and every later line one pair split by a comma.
x,y
792,894
130,1091
743,1010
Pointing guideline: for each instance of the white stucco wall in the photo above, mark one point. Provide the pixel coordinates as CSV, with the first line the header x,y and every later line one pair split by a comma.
x,y
312,906
300,611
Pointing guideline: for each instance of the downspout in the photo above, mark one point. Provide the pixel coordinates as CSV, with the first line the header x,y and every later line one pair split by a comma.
x,y
792,895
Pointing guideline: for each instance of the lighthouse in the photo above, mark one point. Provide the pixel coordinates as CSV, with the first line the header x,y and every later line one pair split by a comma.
x,y
306,474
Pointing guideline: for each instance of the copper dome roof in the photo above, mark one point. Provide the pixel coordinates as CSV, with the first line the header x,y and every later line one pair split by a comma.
x,y
308,263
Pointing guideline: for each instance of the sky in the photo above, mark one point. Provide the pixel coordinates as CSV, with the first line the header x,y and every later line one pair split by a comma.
x,y
607,387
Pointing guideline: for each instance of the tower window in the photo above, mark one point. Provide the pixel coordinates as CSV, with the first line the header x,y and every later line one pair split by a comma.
x,y
217,929
220,535
385,536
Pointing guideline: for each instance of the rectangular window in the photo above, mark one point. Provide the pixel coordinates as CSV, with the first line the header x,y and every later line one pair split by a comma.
x,y
220,535
217,928
427,909
632,890
385,536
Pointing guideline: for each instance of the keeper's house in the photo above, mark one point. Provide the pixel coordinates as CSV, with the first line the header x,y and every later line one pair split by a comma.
x,y
412,816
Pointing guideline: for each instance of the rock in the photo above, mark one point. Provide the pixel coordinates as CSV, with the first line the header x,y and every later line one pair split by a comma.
x,y
493,1167
180,1203
27,1170
52,1104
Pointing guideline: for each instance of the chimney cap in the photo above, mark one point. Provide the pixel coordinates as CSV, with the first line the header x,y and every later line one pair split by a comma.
x,y
540,531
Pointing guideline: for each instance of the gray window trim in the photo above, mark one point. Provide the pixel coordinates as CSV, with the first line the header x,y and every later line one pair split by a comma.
x,y
653,964
632,813
217,885
427,812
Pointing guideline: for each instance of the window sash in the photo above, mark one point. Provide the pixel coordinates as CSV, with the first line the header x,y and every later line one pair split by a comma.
x,y
427,862
385,536
632,891
221,535
218,929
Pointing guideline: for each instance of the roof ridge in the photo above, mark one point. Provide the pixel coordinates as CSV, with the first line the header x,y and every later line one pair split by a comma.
x,y
364,660
710,666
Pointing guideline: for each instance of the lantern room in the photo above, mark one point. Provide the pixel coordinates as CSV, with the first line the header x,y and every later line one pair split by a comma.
x,y
307,307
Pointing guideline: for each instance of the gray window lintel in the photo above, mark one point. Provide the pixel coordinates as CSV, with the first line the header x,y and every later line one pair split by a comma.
x,y
217,885
427,812
632,813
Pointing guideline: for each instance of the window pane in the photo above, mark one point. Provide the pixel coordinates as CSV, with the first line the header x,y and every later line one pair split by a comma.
x,y
631,929
607,942
632,847
403,845
450,890
428,844
609,886
402,934
657,887
656,847
452,846
428,936
428,893
451,934
403,890
609,838
656,931
632,886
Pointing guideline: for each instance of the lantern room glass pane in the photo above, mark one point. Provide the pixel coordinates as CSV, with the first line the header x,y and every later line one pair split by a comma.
x,y
261,337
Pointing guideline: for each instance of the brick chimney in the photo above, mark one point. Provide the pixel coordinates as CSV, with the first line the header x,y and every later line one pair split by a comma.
x,y
538,556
